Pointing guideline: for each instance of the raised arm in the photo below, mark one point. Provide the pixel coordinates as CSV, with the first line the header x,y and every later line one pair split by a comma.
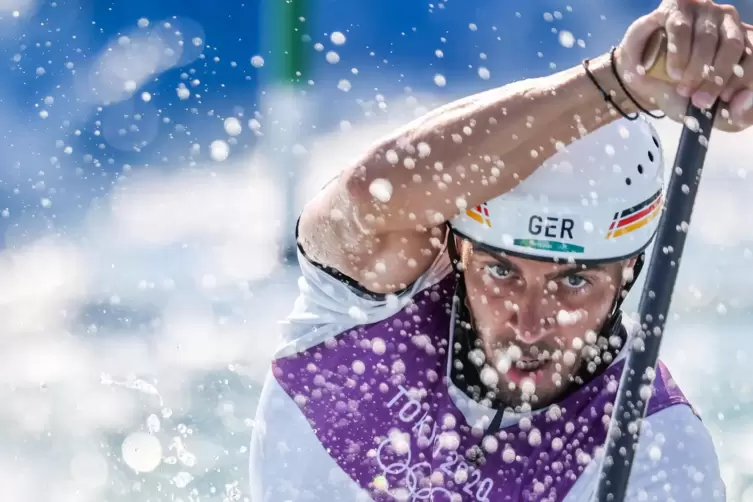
x,y
382,222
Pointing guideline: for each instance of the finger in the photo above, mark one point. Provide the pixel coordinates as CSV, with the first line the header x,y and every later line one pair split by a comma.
x,y
742,73
679,28
729,52
705,43
741,107
637,37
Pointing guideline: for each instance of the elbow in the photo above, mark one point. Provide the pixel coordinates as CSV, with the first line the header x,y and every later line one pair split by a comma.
x,y
355,188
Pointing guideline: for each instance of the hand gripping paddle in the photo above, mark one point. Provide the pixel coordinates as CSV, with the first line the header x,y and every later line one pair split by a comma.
x,y
630,405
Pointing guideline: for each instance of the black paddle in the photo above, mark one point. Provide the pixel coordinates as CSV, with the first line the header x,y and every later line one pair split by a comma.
x,y
630,406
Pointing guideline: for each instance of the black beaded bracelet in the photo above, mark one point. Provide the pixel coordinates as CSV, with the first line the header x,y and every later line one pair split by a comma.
x,y
613,64
607,97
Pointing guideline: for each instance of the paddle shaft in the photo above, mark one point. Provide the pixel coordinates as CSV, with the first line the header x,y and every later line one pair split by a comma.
x,y
630,404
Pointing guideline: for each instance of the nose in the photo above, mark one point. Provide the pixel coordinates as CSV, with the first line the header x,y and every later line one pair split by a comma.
x,y
533,317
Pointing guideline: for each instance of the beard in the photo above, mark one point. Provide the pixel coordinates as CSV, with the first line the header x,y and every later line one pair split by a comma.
x,y
531,376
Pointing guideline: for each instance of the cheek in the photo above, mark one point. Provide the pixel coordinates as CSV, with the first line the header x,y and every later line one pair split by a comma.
x,y
489,312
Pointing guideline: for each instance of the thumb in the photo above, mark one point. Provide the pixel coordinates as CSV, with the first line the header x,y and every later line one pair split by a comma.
x,y
638,34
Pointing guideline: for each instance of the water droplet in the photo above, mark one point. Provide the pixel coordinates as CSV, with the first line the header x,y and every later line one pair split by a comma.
x,y
358,367
566,39
357,314
490,444
332,57
153,423
219,150
344,85
257,61
182,479
337,38
528,386
489,376
534,437
691,123
232,126
392,157
440,80
142,452
378,346
508,455
381,189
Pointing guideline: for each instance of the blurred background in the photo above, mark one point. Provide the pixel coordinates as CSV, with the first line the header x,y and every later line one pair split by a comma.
x,y
153,156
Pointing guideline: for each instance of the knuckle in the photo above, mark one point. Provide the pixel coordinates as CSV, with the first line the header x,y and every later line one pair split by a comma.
x,y
734,42
696,74
679,25
679,22
729,10
708,29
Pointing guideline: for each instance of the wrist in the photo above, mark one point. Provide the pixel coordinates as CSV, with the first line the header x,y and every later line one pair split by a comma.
x,y
603,73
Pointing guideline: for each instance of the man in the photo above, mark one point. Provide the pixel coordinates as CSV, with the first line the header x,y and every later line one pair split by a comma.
x,y
458,334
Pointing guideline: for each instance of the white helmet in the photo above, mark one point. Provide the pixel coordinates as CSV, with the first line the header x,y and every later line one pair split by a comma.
x,y
596,200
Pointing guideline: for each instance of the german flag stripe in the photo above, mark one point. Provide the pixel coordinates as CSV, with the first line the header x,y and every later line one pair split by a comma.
x,y
480,214
634,226
477,217
638,207
634,214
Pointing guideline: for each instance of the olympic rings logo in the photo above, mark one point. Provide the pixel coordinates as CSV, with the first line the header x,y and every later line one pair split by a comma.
x,y
409,489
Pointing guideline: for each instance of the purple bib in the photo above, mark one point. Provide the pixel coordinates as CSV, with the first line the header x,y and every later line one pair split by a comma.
x,y
378,400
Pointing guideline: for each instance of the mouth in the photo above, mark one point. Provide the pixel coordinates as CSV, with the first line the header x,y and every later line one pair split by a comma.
x,y
514,358
530,364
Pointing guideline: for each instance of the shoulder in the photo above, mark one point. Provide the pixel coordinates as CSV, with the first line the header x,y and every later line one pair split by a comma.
x,y
676,459
329,303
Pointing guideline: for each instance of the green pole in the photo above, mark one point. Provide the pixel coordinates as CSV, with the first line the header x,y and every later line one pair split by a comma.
x,y
285,36
292,20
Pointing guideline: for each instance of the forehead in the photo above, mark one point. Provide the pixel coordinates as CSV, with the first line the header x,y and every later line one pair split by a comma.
x,y
536,266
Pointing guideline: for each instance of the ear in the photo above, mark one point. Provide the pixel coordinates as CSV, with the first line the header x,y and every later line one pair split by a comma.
x,y
463,248
628,270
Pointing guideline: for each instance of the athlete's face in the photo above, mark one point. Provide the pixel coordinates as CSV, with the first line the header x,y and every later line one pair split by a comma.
x,y
537,321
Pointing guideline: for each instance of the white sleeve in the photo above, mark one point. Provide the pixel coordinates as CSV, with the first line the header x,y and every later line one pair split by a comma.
x,y
675,460
330,303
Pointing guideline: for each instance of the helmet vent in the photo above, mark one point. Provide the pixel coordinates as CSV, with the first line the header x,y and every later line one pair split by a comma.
x,y
640,169
650,156
628,181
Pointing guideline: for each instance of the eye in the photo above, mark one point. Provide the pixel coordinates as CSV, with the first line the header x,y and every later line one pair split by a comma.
x,y
574,282
498,271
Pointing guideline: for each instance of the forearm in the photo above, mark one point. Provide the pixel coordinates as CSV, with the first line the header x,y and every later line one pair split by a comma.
x,y
477,148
